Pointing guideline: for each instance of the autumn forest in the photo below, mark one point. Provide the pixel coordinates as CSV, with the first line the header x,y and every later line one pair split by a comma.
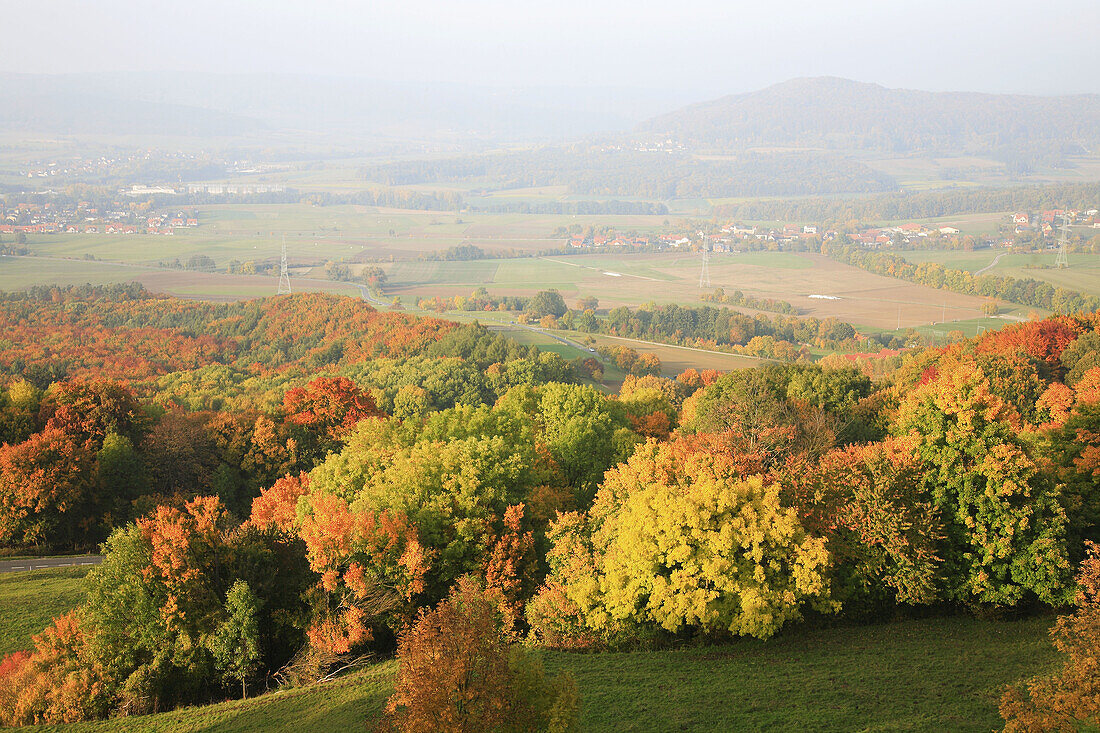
x,y
285,485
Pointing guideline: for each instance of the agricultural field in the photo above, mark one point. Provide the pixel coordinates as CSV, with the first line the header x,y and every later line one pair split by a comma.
x,y
920,172
22,272
356,234
316,233
866,300
1082,275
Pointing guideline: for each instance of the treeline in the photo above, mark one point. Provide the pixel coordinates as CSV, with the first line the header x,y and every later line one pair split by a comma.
x,y
398,198
775,337
1026,291
702,508
578,208
747,301
597,171
917,204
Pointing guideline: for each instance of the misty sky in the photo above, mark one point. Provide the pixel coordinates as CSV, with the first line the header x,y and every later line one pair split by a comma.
x,y
703,47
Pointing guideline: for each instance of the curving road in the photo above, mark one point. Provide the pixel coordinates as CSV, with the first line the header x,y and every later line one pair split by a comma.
x,y
991,265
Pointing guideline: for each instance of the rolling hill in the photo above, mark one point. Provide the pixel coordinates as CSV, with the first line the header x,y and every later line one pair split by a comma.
x,y
840,114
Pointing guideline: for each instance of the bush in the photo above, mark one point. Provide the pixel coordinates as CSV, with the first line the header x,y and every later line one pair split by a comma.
x,y
1069,700
458,673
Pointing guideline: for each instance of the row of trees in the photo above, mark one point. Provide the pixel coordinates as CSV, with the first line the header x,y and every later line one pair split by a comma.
x,y
594,170
916,204
1029,291
779,336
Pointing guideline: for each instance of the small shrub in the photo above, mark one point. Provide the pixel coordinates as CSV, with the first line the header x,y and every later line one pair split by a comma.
x,y
459,674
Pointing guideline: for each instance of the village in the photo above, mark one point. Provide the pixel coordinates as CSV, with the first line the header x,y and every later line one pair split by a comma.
x,y
86,218
1018,229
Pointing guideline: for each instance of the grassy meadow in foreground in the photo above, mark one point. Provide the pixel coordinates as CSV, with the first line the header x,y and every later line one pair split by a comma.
x,y
918,675
28,600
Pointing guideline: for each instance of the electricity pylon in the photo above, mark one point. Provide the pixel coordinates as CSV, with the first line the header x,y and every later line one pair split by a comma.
x,y
704,274
1063,243
284,277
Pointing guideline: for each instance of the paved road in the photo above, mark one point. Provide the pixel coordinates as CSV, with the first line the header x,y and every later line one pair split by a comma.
x,y
41,563
992,264
566,341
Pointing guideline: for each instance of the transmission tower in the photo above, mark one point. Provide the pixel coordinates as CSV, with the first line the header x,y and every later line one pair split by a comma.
x,y
704,274
284,278
1063,243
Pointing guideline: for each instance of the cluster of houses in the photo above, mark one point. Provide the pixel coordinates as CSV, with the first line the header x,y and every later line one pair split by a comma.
x,y
97,166
49,218
1047,222
732,234
904,233
724,240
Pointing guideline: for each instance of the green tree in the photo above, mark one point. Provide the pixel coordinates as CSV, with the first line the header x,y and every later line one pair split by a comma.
x,y
1005,530
236,642
546,303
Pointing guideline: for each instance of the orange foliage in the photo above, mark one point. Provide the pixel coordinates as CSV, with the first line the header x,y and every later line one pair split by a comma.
x,y
44,482
59,682
1044,340
278,505
1088,387
370,564
1055,404
332,406
177,538
654,425
1070,700
458,675
511,566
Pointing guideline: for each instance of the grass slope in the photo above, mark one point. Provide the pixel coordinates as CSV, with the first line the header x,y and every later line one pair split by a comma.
x,y
28,600
919,675
924,675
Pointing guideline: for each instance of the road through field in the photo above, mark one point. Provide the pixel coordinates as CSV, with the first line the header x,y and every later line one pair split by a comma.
x,y
991,265
43,563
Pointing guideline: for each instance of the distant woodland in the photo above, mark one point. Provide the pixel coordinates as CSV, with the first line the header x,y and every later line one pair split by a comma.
x,y
840,114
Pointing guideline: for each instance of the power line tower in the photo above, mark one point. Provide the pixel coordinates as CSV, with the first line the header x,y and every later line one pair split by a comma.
x,y
284,277
704,274
1063,243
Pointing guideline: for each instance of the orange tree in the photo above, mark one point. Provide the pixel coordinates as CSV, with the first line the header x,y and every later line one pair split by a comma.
x,y
1070,699
458,674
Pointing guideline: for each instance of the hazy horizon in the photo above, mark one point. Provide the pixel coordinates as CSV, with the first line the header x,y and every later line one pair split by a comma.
x,y
696,49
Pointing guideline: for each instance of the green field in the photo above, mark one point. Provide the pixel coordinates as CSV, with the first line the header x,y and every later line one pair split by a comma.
x,y
919,675
28,600
1082,275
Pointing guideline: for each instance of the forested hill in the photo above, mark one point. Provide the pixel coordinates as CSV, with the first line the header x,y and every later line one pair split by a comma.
x,y
827,112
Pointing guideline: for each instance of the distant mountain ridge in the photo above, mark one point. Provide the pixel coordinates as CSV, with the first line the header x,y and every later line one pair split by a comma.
x,y
840,114
204,104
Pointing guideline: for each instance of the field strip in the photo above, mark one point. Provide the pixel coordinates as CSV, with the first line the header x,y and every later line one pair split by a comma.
x,y
601,270
685,348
